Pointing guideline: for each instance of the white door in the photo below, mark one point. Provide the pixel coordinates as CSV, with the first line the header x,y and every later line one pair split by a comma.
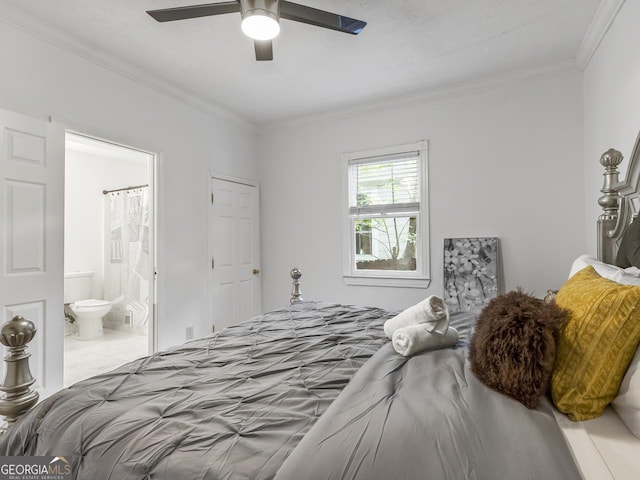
x,y
235,251
31,238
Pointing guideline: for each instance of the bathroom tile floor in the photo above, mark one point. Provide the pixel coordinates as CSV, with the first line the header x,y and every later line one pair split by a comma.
x,y
83,359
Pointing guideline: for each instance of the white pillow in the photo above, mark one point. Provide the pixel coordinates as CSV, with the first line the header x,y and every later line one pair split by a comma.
x,y
624,276
627,402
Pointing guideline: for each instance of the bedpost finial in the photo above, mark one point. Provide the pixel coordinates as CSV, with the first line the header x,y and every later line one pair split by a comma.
x,y
611,159
295,273
296,294
610,200
17,332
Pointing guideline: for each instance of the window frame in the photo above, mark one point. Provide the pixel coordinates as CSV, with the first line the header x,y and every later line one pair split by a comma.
x,y
419,278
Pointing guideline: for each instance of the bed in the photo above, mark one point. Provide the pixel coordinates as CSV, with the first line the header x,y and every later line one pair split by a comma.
x,y
238,404
315,390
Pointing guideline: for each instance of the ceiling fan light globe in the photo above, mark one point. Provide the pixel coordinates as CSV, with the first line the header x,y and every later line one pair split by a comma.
x,y
260,25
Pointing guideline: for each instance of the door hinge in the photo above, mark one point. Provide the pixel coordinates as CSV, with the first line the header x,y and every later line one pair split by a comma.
x,y
213,264
211,198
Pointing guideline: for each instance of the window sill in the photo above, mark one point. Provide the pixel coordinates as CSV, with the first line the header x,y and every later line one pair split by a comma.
x,y
372,281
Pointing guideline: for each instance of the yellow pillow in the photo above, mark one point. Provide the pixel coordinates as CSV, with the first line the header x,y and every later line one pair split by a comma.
x,y
596,345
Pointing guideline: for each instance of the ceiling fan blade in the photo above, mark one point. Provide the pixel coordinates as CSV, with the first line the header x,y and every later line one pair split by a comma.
x,y
320,18
264,50
194,11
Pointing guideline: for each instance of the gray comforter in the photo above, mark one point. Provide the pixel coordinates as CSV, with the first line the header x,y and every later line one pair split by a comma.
x,y
428,417
243,404
231,406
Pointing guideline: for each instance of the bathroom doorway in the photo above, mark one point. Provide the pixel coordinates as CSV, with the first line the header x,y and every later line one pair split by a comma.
x,y
109,256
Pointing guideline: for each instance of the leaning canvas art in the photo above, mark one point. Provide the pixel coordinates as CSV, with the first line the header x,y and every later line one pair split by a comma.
x,y
470,272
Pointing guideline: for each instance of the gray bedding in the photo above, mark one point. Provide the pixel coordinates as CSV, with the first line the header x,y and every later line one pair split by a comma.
x,y
428,417
231,406
263,399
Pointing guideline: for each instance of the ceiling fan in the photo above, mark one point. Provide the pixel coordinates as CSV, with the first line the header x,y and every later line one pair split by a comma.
x,y
261,19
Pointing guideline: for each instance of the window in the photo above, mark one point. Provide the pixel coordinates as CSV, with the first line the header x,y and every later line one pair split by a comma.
x,y
387,223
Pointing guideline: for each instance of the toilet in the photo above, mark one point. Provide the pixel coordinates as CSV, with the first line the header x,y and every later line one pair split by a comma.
x,y
88,312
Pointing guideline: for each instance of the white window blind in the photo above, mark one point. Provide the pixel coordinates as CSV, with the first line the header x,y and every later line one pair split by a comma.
x,y
385,185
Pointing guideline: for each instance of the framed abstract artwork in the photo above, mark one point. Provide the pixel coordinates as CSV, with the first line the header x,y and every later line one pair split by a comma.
x,y
470,272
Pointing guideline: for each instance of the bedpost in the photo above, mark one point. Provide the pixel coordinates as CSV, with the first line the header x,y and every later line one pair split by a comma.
x,y
19,397
296,294
610,203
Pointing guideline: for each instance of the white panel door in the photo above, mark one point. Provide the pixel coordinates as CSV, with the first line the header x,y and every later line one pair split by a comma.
x,y
31,238
235,251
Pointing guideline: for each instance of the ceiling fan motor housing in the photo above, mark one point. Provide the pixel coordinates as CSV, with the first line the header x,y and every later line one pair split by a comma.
x,y
267,8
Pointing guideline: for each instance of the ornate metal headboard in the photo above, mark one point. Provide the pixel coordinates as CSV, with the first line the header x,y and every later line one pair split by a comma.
x,y
620,201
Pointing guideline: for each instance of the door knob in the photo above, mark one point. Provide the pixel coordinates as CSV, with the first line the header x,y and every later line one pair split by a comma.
x,y
256,271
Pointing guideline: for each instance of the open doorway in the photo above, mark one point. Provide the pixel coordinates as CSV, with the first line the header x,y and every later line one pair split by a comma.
x,y
109,256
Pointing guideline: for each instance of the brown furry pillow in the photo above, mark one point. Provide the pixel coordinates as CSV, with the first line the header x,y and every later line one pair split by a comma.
x,y
513,347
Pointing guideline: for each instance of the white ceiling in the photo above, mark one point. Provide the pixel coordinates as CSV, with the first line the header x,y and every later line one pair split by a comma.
x,y
408,46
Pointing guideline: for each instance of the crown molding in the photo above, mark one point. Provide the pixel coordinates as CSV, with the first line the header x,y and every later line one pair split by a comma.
x,y
58,38
473,86
598,28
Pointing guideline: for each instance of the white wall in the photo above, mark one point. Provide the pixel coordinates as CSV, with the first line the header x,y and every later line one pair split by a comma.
x,y
39,79
506,162
611,105
86,176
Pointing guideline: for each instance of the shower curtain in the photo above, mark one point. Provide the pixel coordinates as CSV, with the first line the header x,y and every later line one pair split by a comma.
x,y
127,259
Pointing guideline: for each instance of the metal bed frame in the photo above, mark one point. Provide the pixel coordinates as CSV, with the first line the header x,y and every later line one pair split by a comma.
x,y
620,201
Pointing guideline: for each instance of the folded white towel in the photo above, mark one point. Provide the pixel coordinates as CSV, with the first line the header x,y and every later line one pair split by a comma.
x,y
432,311
414,339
